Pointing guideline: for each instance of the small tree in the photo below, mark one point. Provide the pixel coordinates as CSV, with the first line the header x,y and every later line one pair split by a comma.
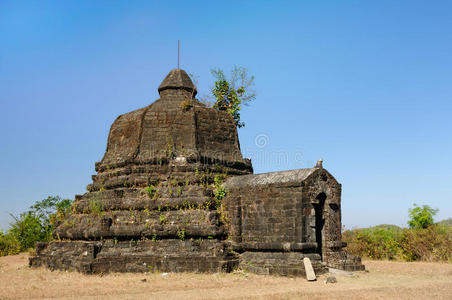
x,y
50,209
231,93
421,217
36,225
27,230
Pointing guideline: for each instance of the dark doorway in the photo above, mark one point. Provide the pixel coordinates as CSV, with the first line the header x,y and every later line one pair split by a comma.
x,y
319,220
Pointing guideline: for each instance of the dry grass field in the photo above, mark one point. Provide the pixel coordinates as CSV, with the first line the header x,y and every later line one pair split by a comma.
x,y
385,280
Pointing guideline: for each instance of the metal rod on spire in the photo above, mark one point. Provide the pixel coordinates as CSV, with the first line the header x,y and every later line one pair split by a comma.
x,y
178,54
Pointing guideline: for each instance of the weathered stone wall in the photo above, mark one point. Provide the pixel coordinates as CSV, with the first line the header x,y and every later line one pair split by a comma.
x,y
167,255
217,136
279,263
267,214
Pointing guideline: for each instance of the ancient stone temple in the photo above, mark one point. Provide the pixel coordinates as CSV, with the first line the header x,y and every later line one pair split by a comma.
x,y
173,193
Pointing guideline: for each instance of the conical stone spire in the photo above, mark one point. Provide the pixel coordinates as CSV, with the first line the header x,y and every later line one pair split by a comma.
x,y
177,79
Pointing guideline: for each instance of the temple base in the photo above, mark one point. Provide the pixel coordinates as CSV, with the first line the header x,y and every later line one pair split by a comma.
x,y
170,255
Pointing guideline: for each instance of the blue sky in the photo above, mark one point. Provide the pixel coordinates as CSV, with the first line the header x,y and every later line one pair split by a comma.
x,y
366,85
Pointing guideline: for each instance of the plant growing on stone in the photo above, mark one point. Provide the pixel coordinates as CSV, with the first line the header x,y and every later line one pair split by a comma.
x,y
162,219
170,148
181,234
151,190
186,105
179,191
147,211
223,216
231,93
220,192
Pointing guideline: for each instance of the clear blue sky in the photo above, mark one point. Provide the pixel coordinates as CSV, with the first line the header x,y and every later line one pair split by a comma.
x,y
367,85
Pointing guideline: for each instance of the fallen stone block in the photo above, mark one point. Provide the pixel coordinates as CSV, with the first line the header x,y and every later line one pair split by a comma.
x,y
310,275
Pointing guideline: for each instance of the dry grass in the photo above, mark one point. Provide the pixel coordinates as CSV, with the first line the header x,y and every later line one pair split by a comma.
x,y
385,280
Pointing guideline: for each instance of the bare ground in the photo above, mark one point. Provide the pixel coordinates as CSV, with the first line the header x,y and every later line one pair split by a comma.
x,y
385,280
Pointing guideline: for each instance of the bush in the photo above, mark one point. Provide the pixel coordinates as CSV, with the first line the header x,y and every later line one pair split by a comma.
x,y
33,226
376,242
28,230
424,240
433,243
9,245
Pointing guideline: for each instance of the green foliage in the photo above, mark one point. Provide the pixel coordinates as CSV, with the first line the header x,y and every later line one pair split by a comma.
x,y
151,190
433,243
96,206
220,191
162,218
34,225
231,93
9,245
423,241
421,217
375,242
181,234
51,209
179,191
28,230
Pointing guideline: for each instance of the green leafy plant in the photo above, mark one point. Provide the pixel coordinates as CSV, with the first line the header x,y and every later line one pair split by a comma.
x,y
151,190
147,211
96,206
220,192
231,93
179,191
181,234
376,242
162,219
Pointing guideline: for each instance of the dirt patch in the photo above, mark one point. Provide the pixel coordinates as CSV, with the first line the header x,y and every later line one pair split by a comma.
x,y
385,280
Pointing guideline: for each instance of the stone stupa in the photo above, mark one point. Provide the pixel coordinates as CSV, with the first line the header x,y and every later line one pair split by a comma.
x,y
173,193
